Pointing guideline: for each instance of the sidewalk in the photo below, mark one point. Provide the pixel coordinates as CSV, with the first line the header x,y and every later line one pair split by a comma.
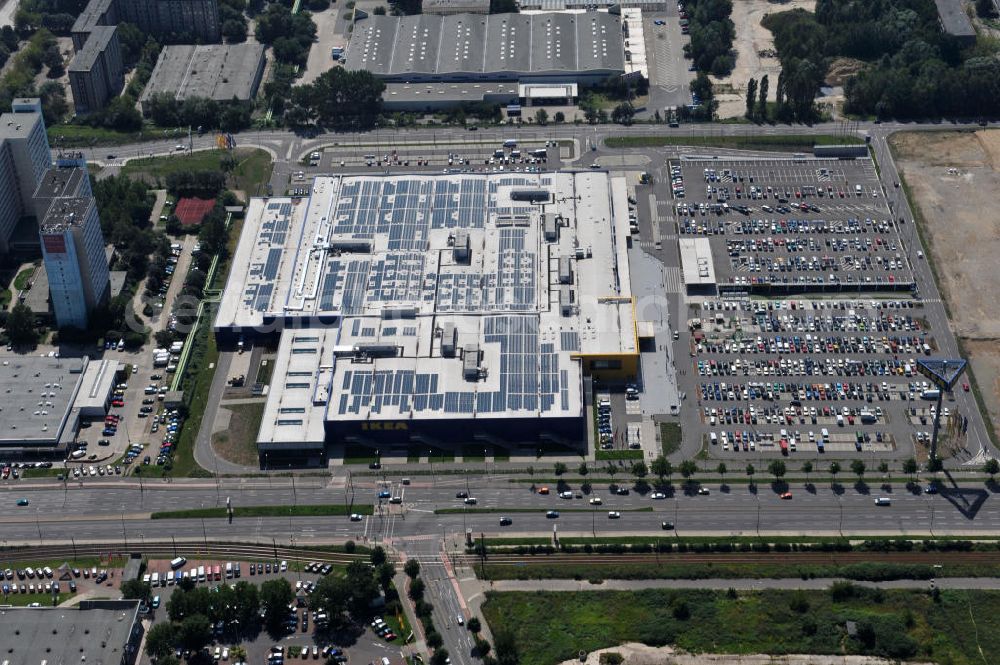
x,y
990,583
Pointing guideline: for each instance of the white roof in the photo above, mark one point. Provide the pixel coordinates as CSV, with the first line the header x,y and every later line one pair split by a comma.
x,y
696,261
364,277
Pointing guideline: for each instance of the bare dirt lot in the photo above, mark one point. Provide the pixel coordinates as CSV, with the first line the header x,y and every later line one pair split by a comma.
x,y
954,178
640,654
751,40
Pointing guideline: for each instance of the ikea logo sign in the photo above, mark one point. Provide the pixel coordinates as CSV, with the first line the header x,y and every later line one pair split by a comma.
x,y
385,427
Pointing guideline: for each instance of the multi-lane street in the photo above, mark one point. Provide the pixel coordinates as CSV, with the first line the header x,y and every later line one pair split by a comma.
x,y
119,510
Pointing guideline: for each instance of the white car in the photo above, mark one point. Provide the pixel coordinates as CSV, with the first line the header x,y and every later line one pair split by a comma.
x,y
179,147
614,514
596,501
657,495
218,653
703,491
225,653
355,517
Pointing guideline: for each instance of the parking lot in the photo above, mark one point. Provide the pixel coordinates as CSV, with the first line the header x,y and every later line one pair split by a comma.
x,y
793,225
306,638
836,377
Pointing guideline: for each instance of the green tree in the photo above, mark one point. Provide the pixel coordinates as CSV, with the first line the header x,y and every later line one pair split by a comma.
x,y
136,590
910,467
474,625
688,468
542,117
21,330
379,11
751,98
377,556
660,467
234,30
434,640
440,657
722,470
411,568
991,467
639,469
762,103
384,573
194,632
160,639
777,469
275,595
834,470
416,592
559,117
750,471
883,468
559,468
858,468
583,469
623,113
985,8
807,468
364,589
332,593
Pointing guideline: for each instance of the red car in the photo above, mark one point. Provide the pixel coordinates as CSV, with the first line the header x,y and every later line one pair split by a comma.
x,y
786,495
965,387
118,403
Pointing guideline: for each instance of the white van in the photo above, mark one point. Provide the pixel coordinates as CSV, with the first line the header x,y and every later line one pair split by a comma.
x,y
155,580
826,435
177,563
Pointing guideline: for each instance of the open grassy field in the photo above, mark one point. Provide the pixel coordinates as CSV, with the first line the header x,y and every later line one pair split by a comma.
x,y
961,627
238,442
252,171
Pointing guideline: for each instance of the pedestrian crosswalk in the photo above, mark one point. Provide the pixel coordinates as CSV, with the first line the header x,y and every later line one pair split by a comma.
x,y
672,279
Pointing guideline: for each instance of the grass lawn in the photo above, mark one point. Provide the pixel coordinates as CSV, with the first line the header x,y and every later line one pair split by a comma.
x,y
238,443
603,455
222,271
45,599
899,624
316,510
763,142
670,437
22,279
76,136
252,171
536,568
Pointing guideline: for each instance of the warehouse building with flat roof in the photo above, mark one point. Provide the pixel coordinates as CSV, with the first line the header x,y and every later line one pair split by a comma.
x,y
407,304
583,47
222,72
105,632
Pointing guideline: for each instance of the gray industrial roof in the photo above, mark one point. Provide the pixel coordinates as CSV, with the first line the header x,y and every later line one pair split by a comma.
x,y
37,396
66,635
494,45
61,182
215,71
65,213
100,37
954,20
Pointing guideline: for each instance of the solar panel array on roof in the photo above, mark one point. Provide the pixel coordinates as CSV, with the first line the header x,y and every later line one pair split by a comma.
x,y
530,378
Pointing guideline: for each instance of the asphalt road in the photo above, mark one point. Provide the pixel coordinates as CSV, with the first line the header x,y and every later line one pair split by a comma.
x,y
103,513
